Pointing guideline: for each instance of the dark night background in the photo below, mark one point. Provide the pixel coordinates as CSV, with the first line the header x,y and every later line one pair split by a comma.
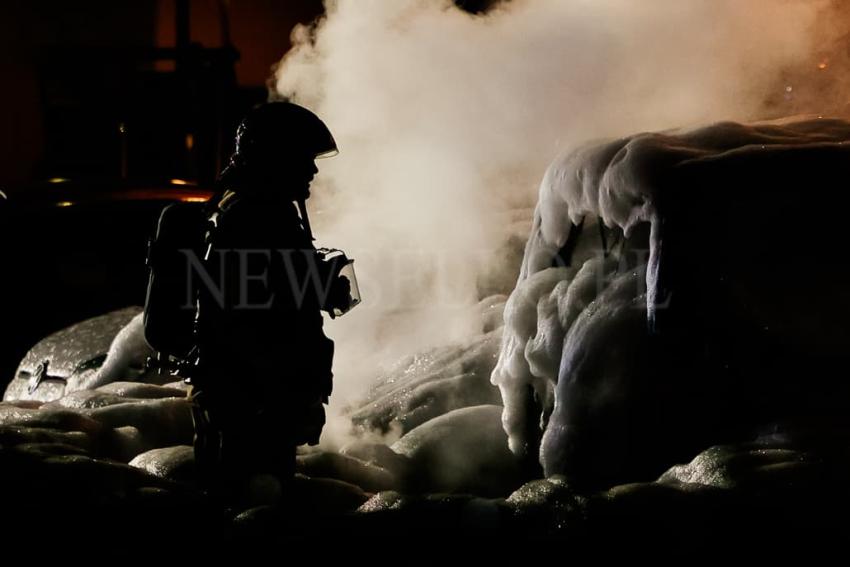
x,y
104,104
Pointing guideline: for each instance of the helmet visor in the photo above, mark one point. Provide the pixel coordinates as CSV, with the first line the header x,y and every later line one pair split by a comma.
x,y
327,153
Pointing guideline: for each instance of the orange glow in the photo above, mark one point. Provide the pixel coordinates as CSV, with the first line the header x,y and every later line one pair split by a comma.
x,y
64,204
187,194
823,65
190,142
179,182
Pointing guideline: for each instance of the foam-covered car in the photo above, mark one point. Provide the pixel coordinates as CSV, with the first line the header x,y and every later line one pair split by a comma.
x,y
680,289
69,253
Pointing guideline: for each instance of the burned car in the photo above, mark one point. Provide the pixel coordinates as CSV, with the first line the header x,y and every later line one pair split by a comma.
x,y
72,253
680,290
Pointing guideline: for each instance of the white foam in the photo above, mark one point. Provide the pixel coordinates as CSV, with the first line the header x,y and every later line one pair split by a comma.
x,y
555,314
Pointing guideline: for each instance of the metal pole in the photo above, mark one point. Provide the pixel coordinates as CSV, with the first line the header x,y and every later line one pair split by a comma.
x,y
182,24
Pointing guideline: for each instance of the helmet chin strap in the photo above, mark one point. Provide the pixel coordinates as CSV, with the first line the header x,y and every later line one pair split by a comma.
x,y
305,219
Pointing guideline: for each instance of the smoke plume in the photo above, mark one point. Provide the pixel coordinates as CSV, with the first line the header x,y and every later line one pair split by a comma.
x,y
447,120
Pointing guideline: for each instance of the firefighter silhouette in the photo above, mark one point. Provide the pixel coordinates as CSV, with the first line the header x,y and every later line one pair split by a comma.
x,y
264,362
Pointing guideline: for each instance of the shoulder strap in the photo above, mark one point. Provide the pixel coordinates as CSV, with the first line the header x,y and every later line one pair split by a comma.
x,y
227,200
305,219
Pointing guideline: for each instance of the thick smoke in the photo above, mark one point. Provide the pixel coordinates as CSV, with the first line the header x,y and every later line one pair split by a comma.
x,y
446,122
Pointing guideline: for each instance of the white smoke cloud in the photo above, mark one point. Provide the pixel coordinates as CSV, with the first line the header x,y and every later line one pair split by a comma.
x,y
446,122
